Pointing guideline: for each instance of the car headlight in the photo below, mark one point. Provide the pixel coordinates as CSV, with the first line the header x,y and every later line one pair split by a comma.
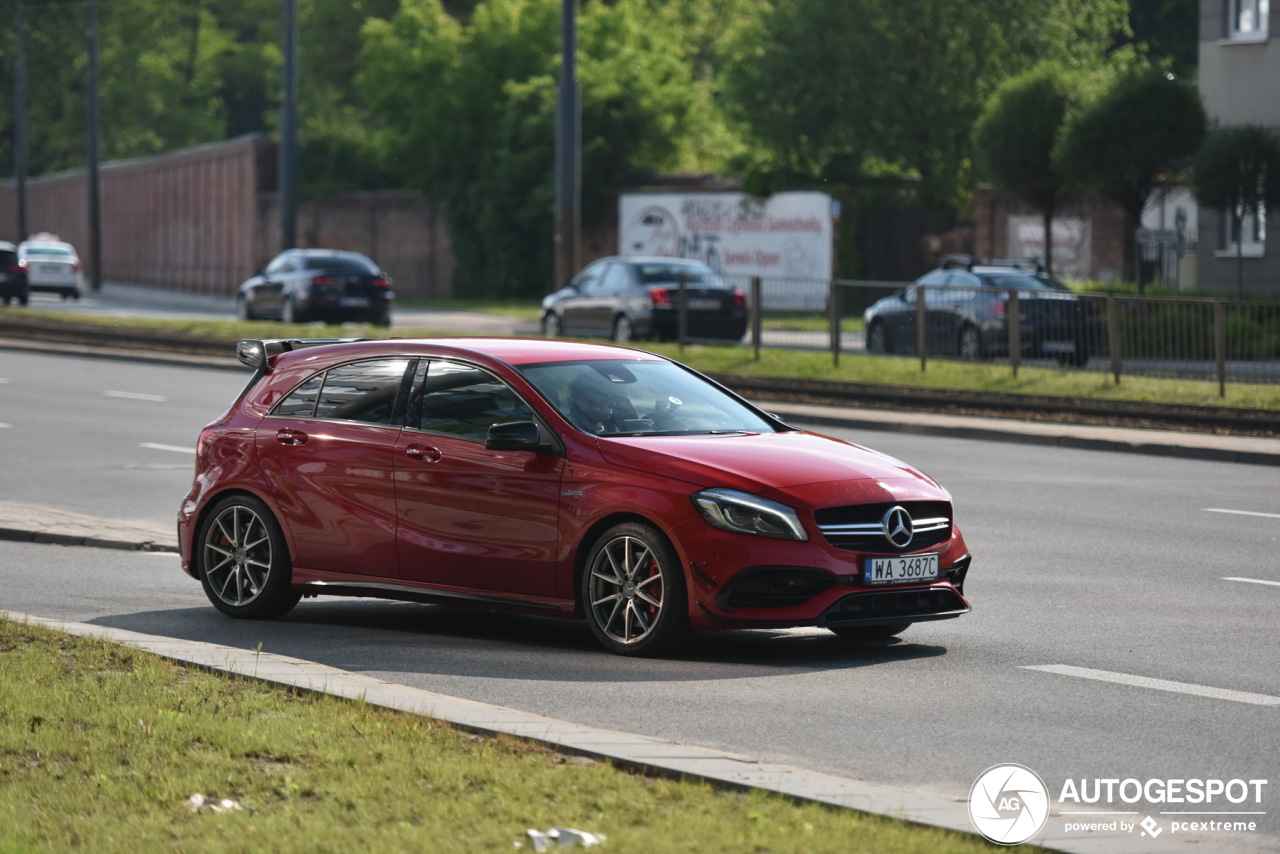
x,y
743,513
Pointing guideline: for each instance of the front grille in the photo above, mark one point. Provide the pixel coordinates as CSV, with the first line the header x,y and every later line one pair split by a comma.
x,y
929,603
774,587
860,527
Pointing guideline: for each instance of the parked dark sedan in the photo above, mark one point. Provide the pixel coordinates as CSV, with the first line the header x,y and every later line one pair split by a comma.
x,y
630,298
13,275
967,315
301,285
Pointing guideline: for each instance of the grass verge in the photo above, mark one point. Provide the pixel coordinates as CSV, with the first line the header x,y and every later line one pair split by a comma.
x,y
102,745
853,367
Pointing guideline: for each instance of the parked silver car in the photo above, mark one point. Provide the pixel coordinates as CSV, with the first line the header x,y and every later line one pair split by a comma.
x,y
52,265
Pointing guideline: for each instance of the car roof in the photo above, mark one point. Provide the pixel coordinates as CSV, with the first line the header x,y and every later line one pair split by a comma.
x,y
512,351
6,245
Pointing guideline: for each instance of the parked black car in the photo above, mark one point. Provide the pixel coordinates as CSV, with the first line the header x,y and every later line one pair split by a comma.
x,y
332,285
629,298
13,275
967,314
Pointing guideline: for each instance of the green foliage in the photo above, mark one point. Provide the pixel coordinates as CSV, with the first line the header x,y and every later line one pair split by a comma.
x,y
829,87
1139,133
1238,169
471,113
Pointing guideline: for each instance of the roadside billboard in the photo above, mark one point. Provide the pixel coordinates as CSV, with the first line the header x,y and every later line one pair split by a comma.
x,y
786,236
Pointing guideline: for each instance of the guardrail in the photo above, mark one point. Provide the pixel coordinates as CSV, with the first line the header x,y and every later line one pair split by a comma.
x,y
1222,340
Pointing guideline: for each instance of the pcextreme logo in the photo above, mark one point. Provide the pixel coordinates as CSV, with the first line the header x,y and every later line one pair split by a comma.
x,y
1009,804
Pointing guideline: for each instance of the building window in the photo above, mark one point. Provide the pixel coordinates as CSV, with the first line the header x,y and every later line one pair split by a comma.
x,y
1250,19
1254,229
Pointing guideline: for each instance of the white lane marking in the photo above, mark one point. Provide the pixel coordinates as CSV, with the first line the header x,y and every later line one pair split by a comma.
x,y
1157,684
1253,581
133,395
1241,512
156,446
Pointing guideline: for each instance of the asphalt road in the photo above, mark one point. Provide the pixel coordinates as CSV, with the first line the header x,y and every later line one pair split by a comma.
x,y
1114,634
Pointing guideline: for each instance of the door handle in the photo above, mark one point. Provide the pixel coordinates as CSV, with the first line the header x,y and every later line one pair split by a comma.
x,y
422,452
289,436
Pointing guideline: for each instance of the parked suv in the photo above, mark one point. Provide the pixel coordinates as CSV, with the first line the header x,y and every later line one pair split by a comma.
x,y
967,313
13,275
52,265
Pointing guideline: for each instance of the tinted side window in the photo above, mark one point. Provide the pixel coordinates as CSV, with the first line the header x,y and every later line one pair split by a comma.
x,y
361,391
461,400
301,402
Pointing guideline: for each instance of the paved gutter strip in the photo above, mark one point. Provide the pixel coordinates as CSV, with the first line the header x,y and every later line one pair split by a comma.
x,y
646,755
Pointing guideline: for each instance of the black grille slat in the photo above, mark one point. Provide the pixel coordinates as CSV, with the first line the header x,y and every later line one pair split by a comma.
x,y
857,527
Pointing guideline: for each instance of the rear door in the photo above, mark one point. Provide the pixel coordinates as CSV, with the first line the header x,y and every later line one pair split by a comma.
x,y
328,449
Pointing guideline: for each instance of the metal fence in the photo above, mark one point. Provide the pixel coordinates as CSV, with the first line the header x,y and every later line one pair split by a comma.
x,y
1190,338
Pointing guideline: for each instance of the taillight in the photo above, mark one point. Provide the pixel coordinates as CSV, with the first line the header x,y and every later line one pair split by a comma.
x,y
660,297
382,282
739,298
323,280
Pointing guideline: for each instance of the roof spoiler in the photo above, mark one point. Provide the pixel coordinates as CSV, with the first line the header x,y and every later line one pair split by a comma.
x,y
257,352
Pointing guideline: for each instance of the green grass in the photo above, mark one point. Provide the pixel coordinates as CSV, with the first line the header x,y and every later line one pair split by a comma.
x,y
853,368
102,745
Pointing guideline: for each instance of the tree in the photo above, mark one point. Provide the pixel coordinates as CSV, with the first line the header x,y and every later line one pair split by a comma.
x,y
873,87
1139,134
1237,170
469,110
1015,138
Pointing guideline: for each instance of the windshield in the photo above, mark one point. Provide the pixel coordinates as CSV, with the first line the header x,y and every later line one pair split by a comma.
x,y
640,398
49,250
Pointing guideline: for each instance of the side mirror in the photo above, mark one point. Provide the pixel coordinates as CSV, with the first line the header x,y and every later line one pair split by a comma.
x,y
515,436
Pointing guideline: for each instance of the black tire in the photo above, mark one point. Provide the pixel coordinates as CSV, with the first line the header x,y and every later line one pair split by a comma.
x,y
877,338
381,318
23,298
623,329
869,633
969,343
242,309
551,326
7,300
243,562
633,592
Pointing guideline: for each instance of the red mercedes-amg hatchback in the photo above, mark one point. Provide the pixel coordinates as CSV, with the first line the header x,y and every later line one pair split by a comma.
x,y
558,478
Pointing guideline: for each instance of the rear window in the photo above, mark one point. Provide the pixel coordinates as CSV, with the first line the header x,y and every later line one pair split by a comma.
x,y
341,264
657,273
1019,282
58,251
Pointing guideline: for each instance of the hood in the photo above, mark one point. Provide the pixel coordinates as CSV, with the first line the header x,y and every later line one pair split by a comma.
x,y
758,462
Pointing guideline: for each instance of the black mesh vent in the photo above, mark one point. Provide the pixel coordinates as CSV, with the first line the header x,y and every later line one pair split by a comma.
x,y
774,587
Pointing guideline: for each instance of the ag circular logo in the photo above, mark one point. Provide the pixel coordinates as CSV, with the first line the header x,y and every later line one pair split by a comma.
x,y
1008,804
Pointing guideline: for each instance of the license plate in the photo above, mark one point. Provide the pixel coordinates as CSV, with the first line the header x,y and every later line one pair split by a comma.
x,y
354,302
1059,346
901,570
703,304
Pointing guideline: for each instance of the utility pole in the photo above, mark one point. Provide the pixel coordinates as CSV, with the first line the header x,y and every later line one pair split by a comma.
x,y
287,180
92,154
20,117
568,150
